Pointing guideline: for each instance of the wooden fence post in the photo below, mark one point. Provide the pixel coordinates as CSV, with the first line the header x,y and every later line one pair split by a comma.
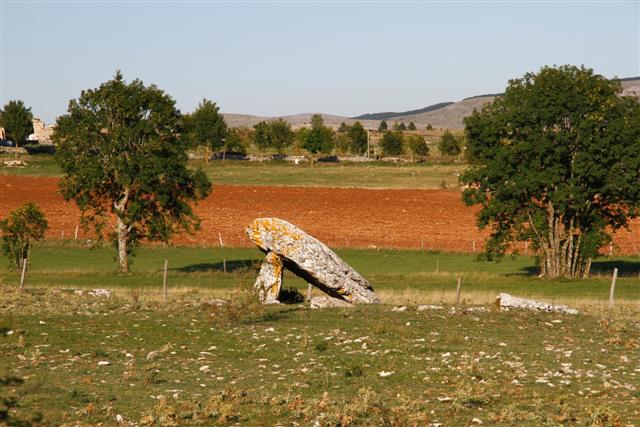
x,y
75,235
613,287
165,291
309,290
458,292
224,259
24,270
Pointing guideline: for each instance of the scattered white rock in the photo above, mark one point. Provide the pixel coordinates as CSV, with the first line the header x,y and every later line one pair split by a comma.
x,y
103,363
152,355
328,302
119,419
205,369
507,302
215,302
425,307
445,399
478,309
476,421
399,309
385,374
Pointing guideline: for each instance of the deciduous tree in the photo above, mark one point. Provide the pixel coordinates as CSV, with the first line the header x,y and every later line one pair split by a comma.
x,y
416,146
556,160
281,135
358,136
391,143
17,121
19,229
319,139
449,144
119,152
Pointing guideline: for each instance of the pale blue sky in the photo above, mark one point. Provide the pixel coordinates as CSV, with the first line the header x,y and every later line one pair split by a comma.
x,y
278,58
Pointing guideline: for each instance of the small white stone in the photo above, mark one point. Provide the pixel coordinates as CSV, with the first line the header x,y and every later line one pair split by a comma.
x,y
103,363
476,421
385,374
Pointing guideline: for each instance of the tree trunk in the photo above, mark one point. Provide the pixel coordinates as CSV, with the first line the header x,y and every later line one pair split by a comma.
x,y
122,231
123,257
561,250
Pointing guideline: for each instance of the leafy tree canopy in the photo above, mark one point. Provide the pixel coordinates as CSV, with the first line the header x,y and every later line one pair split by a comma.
x,y
416,145
119,152
399,126
281,134
17,121
358,136
412,126
24,225
206,126
319,139
391,143
556,160
383,126
449,144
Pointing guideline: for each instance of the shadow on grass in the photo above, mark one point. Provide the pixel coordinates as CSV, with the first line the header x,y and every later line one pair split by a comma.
x,y
625,267
231,266
598,267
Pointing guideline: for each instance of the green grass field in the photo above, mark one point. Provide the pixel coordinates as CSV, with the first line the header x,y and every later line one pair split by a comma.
x,y
344,175
70,359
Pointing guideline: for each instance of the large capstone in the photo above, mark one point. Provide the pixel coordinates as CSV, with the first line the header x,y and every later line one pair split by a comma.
x,y
306,257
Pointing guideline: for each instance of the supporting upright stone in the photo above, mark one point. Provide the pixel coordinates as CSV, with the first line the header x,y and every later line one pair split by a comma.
x,y
309,259
269,279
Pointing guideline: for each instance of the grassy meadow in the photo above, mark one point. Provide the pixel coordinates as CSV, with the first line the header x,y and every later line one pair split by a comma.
x,y
70,359
133,359
280,173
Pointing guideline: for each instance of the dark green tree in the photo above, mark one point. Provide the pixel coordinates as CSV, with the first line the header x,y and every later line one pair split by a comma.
x,y
358,136
238,139
262,136
416,146
119,152
319,139
344,128
556,161
17,121
281,135
429,127
449,144
391,143
412,126
399,126
206,126
19,229
383,127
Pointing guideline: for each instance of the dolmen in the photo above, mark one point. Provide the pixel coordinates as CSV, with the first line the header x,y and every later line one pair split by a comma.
x,y
287,246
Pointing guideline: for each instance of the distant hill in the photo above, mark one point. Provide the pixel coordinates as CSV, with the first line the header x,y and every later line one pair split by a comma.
x,y
442,115
296,120
390,114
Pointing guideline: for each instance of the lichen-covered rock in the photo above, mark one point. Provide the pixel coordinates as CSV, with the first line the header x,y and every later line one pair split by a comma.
x,y
507,302
328,302
310,259
269,279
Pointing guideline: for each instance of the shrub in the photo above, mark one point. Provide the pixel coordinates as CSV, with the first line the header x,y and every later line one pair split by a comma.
x,y
23,225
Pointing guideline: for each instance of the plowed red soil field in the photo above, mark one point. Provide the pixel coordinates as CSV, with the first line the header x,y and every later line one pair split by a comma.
x,y
429,219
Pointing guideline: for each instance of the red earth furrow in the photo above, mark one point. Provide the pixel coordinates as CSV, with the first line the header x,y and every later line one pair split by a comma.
x,y
431,219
